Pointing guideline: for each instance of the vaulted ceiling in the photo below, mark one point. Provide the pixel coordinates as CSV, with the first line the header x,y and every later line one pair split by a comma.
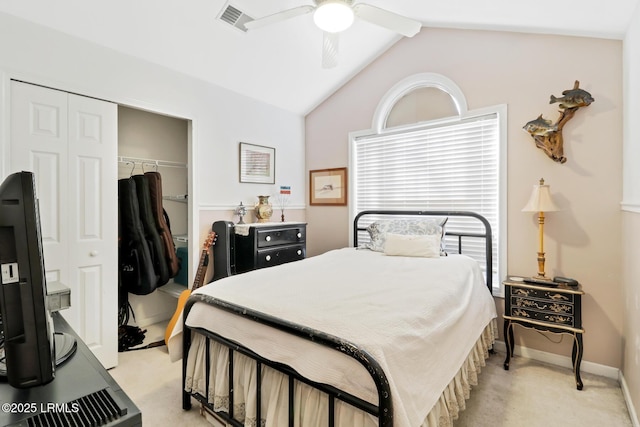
x,y
281,64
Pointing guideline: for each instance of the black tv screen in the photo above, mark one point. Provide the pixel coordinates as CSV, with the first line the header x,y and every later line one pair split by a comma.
x,y
29,345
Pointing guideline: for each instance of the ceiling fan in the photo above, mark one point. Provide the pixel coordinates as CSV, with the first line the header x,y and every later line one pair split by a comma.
x,y
335,16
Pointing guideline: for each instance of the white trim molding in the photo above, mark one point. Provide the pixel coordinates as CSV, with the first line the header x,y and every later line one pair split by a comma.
x,y
630,207
204,208
562,361
627,398
411,83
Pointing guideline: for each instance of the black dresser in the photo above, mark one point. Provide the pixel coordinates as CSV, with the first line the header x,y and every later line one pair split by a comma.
x,y
551,309
245,247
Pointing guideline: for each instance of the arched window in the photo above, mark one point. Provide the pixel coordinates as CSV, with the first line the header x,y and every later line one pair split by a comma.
x,y
426,151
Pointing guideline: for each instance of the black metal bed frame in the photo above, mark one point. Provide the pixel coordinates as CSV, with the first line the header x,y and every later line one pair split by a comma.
x,y
383,411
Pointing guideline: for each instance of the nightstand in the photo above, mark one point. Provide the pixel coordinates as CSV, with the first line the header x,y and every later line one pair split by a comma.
x,y
556,309
263,245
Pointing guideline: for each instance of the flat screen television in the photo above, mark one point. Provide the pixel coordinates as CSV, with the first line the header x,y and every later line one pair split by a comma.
x,y
29,343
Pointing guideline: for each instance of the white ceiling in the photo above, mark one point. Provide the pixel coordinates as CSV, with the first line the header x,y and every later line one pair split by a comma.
x,y
281,64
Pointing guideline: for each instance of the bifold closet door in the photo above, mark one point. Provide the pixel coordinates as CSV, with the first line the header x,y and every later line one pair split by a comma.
x,y
70,143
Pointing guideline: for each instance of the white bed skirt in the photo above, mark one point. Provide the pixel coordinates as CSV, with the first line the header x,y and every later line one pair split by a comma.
x,y
314,403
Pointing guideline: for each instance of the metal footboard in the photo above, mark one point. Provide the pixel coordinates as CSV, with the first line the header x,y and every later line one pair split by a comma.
x,y
383,411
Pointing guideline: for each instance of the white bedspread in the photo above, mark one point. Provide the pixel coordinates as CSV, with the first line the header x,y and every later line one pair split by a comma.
x,y
418,317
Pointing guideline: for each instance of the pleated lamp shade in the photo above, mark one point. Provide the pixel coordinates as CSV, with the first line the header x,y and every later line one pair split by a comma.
x,y
540,200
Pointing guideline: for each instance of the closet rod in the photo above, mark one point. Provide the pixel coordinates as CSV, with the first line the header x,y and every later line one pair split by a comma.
x,y
160,163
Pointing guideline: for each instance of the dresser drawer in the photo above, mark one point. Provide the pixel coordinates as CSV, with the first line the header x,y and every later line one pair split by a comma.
x,y
282,236
279,255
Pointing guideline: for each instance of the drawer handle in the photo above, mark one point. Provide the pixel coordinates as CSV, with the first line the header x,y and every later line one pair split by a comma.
x,y
299,235
268,257
268,238
299,252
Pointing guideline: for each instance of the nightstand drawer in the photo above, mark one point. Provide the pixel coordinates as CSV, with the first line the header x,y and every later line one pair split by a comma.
x,y
541,316
280,255
282,236
546,295
543,305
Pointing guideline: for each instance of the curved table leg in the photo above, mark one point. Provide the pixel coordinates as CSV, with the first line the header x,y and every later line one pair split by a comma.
x,y
509,344
576,358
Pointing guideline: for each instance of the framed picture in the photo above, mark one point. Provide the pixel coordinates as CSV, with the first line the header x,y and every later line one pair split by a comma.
x,y
328,187
257,164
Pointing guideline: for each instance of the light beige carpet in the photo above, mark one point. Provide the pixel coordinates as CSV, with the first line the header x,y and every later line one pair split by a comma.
x,y
533,394
530,394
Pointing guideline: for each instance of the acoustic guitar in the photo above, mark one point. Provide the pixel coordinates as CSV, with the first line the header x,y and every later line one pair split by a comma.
x,y
197,282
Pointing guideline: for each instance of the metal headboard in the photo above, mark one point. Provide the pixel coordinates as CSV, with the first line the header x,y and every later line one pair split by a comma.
x,y
487,236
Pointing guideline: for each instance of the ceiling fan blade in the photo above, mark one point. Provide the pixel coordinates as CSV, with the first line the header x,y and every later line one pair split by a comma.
x,y
277,17
392,21
330,44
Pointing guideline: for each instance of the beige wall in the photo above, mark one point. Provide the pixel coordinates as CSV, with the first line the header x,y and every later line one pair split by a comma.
x,y
521,70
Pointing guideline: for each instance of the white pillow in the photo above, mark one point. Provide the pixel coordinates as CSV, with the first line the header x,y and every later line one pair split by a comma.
x,y
426,245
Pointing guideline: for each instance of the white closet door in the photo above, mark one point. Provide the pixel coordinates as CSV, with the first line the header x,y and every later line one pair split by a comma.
x,y
39,142
93,223
70,143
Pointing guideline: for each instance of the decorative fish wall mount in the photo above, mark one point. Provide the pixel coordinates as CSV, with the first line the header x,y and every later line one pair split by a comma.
x,y
548,135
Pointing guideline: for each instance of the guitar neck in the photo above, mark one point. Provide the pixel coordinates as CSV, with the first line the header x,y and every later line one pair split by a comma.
x,y
202,266
197,282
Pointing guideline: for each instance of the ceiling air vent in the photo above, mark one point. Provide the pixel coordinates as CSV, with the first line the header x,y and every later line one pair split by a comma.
x,y
235,17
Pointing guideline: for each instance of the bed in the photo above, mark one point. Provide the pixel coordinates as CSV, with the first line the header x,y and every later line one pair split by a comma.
x,y
351,338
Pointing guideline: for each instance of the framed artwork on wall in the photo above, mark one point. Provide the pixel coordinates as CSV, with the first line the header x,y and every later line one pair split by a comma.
x,y
328,187
257,164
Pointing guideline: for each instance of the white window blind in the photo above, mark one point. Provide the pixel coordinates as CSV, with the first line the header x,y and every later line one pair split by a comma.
x,y
450,165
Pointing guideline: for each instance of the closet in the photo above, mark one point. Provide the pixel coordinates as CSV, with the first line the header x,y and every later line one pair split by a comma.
x,y
153,142
78,147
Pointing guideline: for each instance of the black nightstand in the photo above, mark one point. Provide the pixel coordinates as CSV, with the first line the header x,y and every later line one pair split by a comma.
x,y
268,244
545,308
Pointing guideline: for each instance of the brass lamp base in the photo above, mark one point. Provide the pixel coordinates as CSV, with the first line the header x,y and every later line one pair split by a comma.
x,y
541,245
541,260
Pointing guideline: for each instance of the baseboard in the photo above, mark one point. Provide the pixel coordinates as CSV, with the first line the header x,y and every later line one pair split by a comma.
x,y
562,361
627,398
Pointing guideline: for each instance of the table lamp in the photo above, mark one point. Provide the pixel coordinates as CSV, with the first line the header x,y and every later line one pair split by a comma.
x,y
540,202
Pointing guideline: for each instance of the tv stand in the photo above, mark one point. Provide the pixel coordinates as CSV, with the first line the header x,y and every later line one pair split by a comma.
x,y
66,346
80,383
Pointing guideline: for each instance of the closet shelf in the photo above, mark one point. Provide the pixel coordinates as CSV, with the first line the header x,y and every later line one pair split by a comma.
x,y
182,198
181,238
152,162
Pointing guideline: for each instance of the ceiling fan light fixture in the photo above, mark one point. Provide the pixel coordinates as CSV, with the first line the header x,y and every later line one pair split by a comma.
x,y
333,16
